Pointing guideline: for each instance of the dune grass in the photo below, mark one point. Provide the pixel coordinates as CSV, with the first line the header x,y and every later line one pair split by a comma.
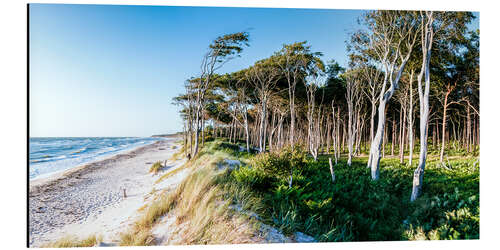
x,y
172,173
140,234
139,238
156,167
207,155
178,154
200,205
73,241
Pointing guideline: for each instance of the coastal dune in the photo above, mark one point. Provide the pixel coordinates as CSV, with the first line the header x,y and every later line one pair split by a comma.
x,y
100,198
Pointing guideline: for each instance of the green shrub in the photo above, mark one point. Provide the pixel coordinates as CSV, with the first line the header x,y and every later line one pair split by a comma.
x,y
280,164
446,216
255,179
355,208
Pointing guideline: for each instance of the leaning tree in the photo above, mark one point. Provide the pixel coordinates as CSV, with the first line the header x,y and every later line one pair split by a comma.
x,y
220,51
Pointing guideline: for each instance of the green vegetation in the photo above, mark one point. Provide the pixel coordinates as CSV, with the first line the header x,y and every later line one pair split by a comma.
x,y
354,208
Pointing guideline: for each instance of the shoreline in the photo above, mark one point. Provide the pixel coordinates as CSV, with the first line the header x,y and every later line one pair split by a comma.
x,y
88,199
49,177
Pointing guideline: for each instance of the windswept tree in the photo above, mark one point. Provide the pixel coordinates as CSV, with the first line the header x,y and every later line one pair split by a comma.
x,y
237,89
279,109
186,101
294,61
405,100
450,75
220,51
263,75
411,69
391,36
371,88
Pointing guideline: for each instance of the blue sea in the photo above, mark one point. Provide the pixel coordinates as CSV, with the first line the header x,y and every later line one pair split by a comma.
x,y
55,154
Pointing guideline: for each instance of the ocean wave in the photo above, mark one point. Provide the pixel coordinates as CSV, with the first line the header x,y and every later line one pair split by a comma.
x,y
56,154
81,150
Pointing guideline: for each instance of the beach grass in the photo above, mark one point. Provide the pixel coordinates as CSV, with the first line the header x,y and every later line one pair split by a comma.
x,y
73,241
139,238
178,154
155,168
202,211
140,234
201,206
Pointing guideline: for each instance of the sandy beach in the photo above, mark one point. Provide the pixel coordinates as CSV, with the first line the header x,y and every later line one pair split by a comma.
x,y
90,199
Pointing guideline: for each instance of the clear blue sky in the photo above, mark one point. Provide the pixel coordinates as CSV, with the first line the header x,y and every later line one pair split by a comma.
x,y
111,70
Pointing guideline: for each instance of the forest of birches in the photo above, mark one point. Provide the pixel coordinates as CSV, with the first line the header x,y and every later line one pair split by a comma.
x,y
409,95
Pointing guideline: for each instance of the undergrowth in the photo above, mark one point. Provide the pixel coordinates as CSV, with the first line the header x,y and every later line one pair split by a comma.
x,y
355,208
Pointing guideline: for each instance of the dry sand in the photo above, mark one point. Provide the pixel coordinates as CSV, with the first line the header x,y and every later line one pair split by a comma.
x,y
89,199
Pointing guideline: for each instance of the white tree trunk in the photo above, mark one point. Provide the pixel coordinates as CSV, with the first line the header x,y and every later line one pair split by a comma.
x,y
418,175
292,116
331,169
350,125
410,120
247,136
262,129
375,153
196,130
423,94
